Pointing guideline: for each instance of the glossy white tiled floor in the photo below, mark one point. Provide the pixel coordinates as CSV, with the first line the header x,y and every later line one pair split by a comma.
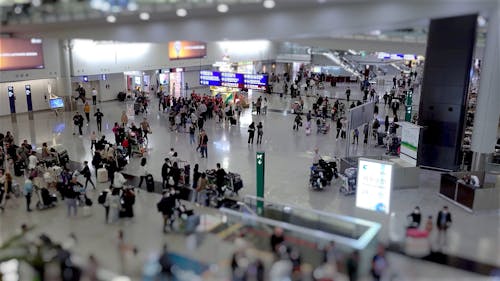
x,y
288,156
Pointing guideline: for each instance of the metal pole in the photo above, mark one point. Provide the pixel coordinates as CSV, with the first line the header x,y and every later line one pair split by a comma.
x,y
348,132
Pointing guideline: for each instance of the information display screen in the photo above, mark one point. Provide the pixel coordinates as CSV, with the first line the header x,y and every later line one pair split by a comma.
x,y
374,185
56,103
186,50
18,53
233,80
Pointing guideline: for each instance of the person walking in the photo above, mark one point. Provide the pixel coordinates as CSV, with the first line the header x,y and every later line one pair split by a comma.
x,y
251,133
260,132
348,94
71,195
98,117
86,110
94,96
264,106
143,171
104,199
379,264
166,208
339,127
258,105
85,172
203,143
443,222
355,136
28,191
386,123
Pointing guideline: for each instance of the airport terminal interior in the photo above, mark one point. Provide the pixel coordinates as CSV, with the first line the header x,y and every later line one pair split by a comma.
x,y
249,140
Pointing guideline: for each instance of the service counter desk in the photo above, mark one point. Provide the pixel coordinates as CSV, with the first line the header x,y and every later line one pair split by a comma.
x,y
404,175
471,198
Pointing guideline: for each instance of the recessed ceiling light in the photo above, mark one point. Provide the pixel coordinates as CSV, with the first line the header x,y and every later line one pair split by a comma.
x,y
18,9
181,12
222,8
321,1
144,16
269,4
132,6
111,19
36,3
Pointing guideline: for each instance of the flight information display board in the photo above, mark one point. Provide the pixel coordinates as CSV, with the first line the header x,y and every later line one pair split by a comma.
x,y
233,80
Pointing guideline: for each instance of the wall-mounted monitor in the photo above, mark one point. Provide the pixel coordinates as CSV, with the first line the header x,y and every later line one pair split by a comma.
x,y
18,53
56,103
186,50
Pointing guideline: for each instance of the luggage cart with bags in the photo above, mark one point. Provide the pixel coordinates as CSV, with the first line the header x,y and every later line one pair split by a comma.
x,y
349,178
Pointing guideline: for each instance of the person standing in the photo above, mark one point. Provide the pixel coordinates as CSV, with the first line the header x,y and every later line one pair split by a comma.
x,y
264,106
98,117
443,222
260,132
165,172
352,265
258,105
192,130
94,96
196,177
104,197
143,171
251,133
124,119
78,122
86,174
86,109
379,264
220,178
355,136
28,191
71,195
348,94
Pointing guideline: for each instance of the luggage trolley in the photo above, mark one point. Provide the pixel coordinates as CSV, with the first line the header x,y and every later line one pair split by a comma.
x,y
349,178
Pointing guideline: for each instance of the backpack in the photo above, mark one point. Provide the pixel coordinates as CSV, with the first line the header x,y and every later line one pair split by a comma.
x,y
102,198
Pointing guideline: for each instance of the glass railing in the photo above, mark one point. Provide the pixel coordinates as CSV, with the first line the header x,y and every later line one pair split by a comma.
x,y
315,227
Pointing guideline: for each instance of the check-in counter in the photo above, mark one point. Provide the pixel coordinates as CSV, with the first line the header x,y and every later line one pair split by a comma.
x,y
472,198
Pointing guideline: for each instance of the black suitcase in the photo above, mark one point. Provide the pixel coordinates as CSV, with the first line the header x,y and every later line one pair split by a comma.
x,y
150,183
233,121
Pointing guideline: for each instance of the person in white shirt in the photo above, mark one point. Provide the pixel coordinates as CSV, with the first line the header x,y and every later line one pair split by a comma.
x,y
32,161
119,180
264,106
94,96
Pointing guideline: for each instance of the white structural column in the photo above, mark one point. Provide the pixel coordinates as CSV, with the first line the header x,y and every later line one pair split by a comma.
x,y
487,115
64,80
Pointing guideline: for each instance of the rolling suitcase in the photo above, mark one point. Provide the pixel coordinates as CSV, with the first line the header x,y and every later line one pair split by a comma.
x,y
233,121
150,183
18,168
102,175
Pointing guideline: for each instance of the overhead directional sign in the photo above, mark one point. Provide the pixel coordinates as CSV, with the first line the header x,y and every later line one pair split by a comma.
x,y
233,80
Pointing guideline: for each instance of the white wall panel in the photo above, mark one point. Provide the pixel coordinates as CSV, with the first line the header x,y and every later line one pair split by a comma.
x,y
38,93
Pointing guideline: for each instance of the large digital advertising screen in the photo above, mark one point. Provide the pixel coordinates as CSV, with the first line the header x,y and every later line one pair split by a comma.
x,y
233,80
178,50
374,184
18,53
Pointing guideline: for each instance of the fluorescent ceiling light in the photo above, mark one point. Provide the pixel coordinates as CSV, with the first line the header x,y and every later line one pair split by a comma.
x,y
144,16
222,8
481,21
269,4
111,19
181,12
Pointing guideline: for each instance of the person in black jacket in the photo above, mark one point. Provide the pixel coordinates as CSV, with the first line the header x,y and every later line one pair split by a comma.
x,y
415,218
165,172
443,222
98,117
175,173
251,133
86,174
166,208
220,178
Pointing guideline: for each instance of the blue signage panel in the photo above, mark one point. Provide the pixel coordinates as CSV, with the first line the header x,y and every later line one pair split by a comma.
x,y
233,80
